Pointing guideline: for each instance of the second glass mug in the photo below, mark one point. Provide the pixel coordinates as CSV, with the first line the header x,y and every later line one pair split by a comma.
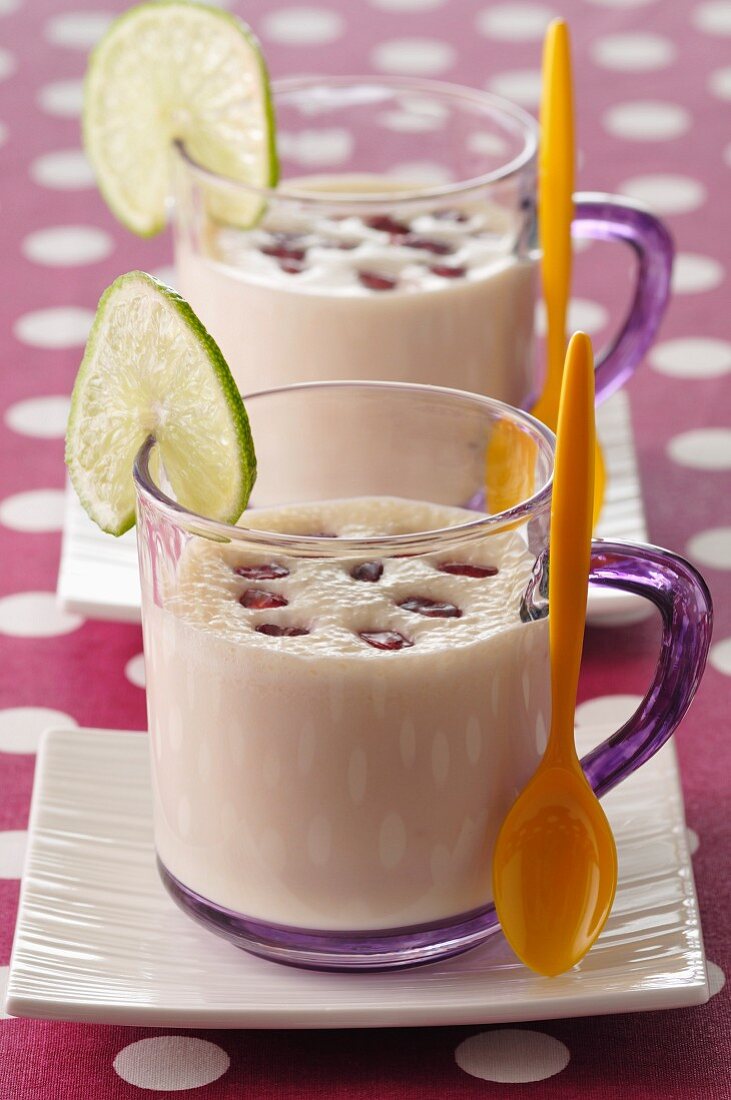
x,y
371,273
347,691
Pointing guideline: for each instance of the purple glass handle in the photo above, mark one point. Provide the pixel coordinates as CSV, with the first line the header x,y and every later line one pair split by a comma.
x,y
682,597
608,218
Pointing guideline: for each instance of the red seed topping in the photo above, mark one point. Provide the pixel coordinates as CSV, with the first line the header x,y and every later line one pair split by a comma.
x,y
292,267
439,248
385,639
373,281
267,571
450,214
433,609
466,569
275,631
258,599
386,224
283,251
447,271
367,571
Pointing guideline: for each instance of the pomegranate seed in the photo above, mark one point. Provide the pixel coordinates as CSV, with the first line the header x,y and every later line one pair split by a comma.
x,y
283,252
439,248
386,224
450,214
258,599
466,569
367,571
292,267
272,630
385,639
373,281
266,572
447,271
433,609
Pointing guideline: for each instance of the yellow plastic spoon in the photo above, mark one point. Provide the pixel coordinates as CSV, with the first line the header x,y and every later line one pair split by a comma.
x,y
555,863
555,212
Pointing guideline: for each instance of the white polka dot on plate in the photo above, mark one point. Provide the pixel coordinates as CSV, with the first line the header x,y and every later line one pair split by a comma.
x,y
633,52
512,1056
413,56
64,170
7,64
316,148
702,449
167,274
727,155
7,7
62,98
586,315
666,194
523,86
36,510
404,122
407,5
647,120
134,670
489,145
41,417
3,133
720,656
692,273
692,357
79,29
302,26
424,173
712,547
35,615
611,711
514,22
716,978
58,327
21,727
693,841
67,245
13,843
713,17
171,1063
4,974
719,83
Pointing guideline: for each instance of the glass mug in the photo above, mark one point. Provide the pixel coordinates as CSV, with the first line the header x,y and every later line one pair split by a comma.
x,y
363,274
347,692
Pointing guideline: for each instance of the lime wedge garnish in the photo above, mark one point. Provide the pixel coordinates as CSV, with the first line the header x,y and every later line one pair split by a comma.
x,y
150,368
172,70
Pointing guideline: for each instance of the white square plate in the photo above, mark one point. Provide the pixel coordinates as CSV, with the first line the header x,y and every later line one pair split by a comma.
x,y
98,576
99,940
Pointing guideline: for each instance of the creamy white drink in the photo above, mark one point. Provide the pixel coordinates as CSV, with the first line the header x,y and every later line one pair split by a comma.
x,y
440,296
336,741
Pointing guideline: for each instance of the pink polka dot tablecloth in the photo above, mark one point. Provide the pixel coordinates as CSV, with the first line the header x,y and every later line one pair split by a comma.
x,y
654,79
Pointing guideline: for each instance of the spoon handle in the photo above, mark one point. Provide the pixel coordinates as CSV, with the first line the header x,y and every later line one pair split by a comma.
x,y
570,545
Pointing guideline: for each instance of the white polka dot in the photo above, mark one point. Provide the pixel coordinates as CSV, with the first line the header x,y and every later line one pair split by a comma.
x,y
712,547
35,615
692,274
171,1063
514,22
41,417
634,52
391,840
58,327
134,670
316,148
167,275
302,26
692,357
62,98
719,82
407,5
80,29
541,733
720,656
693,841
622,3
666,194
716,978
440,758
3,133
611,711
512,1056
647,120
21,727
65,170
489,145
4,974
714,17
413,56
422,173
403,122
13,843
36,510
7,7
727,155
7,64
583,314
522,86
67,245
702,449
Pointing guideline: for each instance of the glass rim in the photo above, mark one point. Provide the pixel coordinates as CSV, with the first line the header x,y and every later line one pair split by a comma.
x,y
317,546
494,103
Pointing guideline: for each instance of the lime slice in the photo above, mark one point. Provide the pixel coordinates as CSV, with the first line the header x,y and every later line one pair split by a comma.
x,y
172,70
150,368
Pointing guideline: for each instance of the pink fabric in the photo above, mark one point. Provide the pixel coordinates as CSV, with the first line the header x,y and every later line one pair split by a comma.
x,y
678,1054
